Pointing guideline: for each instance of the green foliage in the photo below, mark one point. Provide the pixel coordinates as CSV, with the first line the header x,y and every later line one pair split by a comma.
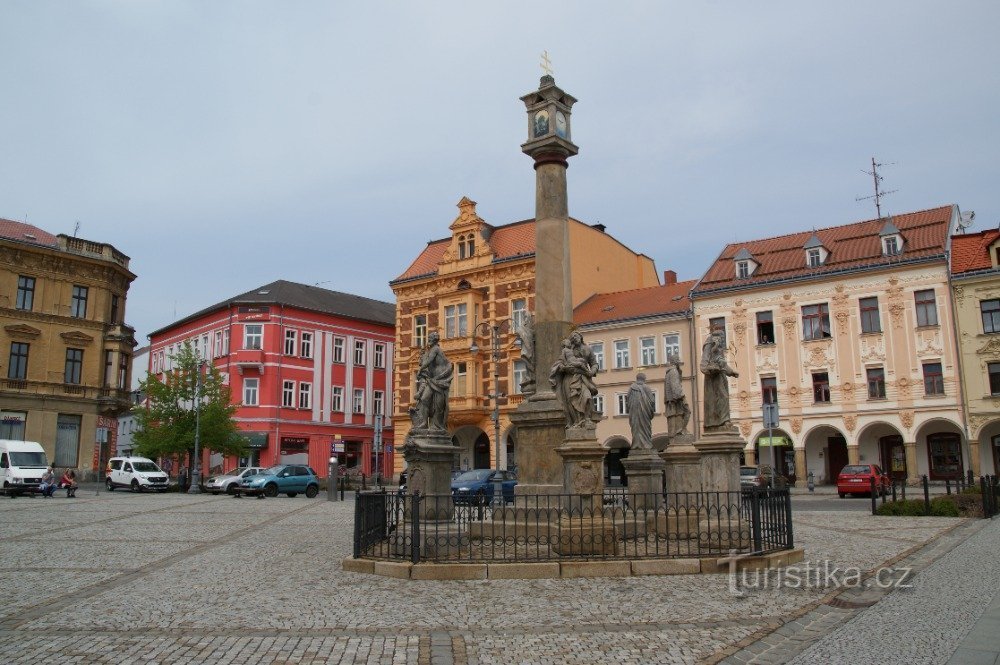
x,y
907,508
944,506
941,506
167,426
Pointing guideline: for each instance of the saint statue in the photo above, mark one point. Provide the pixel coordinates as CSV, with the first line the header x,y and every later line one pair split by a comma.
x,y
572,378
430,410
641,406
717,372
674,400
526,332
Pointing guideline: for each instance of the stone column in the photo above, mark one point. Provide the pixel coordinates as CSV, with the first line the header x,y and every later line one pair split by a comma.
x,y
751,456
853,454
974,455
800,467
912,476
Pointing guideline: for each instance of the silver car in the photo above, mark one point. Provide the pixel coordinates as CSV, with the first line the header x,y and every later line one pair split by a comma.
x,y
228,482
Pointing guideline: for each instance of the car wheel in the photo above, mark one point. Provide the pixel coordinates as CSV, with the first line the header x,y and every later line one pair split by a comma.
x,y
135,486
231,488
843,495
292,495
271,490
312,491
110,485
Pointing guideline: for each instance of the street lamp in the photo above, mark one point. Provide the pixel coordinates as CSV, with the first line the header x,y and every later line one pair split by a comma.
x,y
493,333
196,471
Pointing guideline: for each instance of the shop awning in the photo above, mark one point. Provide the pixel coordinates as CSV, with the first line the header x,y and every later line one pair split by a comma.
x,y
255,439
766,441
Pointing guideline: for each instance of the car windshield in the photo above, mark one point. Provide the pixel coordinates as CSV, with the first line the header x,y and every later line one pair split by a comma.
x,y
36,460
236,472
145,467
748,471
477,474
273,470
855,469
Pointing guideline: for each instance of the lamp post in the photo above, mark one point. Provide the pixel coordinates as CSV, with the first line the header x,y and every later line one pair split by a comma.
x,y
196,471
493,333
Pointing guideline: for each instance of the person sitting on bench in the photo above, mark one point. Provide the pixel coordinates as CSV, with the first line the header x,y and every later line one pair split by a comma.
x,y
68,481
48,484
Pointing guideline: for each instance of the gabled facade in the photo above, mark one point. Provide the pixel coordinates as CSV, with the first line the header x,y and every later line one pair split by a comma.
x,y
309,368
975,267
485,274
855,344
66,348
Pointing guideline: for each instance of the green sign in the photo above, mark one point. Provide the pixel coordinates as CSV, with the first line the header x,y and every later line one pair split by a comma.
x,y
765,441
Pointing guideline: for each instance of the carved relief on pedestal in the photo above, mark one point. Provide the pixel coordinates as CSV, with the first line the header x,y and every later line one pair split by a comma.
x,y
906,417
850,422
584,479
796,425
745,426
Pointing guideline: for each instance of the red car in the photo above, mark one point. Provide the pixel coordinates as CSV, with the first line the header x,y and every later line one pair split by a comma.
x,y
857,479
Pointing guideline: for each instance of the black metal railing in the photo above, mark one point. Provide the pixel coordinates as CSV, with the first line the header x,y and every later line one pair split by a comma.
x,y
988,488
414,527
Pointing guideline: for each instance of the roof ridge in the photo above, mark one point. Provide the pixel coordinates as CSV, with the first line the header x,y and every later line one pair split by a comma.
x,y
641,288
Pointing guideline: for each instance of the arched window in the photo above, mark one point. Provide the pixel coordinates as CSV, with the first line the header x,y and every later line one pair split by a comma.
x,y
461,247
471,249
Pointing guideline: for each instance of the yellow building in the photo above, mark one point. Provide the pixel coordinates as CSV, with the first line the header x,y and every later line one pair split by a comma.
x,y
975,274
849,329
486,274
62,308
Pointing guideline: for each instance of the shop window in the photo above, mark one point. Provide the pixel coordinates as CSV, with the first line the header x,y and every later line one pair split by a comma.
x,y
944,451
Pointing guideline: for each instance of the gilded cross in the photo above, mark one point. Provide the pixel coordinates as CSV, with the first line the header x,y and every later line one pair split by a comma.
x,y
546,64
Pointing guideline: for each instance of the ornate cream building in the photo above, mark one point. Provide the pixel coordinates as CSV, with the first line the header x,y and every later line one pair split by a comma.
x,y
850,330
66,346
975,266
486,274
630,332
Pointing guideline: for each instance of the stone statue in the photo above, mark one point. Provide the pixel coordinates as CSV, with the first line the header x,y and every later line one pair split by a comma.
x,y
674,400
526,332
641,406
572,378
430,410
716,371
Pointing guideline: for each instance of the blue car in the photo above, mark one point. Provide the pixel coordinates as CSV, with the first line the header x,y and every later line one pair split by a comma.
x,y
476,486
290,479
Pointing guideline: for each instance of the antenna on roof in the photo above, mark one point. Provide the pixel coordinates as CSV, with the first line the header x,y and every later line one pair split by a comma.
x,y
878,193
76,228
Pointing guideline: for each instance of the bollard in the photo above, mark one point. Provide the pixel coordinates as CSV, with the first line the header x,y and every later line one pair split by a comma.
x,y
343,482
332,472
871,483
927,494
947,486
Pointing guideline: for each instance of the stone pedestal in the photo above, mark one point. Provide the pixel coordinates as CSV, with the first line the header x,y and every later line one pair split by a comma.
x,y
720,460
644,469
429,456
541,425
582,470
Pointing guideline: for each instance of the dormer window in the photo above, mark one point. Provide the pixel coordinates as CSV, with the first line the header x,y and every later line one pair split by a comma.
x,y
816,253
745,264
892,241
742,269
815,259
890,245
466,246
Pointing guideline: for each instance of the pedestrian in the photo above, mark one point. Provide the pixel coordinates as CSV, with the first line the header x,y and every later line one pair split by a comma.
x,y
68,482
48,484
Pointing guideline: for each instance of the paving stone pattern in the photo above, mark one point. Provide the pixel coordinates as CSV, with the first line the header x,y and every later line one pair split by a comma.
x,y
121,577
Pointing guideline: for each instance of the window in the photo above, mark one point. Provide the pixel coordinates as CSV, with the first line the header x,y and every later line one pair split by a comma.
x,y
305,395
12,425
455,319
647,351
718,323
765,328
420,331
196,347
599,404
890,245
67,440
458,384
306,349
225,342
218,343
926,308
253,335
520,374
742,269
123,364
109,361
622,359
821,387
598,349
944,451
25,292
876,383
815,321
17,368
359,400
204,345
291,337
769,390
337,399
74,365
671,347
78,309
933,379
994,370
114,308
621,404
359,352
288,394
338,349
815,259
461,247
870,322
378,401
379,355
250,389
991,315
519,312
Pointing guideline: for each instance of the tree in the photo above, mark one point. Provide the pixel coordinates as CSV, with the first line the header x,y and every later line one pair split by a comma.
x,y
167,425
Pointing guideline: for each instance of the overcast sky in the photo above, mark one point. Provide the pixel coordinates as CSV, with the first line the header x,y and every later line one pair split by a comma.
x,y
224,145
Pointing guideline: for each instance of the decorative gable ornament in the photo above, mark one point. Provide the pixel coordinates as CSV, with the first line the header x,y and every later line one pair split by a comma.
x,y
76,337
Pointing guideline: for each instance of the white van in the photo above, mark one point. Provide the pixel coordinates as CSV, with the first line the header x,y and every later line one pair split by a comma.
x,y
136,473
22,464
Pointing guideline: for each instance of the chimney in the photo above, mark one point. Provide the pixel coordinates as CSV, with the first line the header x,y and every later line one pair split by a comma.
x,y
600,227
669,277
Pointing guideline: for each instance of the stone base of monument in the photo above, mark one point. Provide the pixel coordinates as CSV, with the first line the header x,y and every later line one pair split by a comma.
x,y
683,469
720,460
576,537
645,470
429,456
679,525
541,423
582,471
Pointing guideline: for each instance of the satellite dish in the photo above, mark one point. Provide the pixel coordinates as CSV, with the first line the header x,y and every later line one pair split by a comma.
x,y
965,221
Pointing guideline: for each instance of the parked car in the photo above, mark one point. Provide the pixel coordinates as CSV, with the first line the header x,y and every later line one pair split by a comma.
x,y
857,479
476,486
22,464
760,477
290,479
228,482
136,473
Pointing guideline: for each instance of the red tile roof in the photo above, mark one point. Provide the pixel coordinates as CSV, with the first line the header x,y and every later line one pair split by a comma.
x,y
971,251
925,234
26,233
634,304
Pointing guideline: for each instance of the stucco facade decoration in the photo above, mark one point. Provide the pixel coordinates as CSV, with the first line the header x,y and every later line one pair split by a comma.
x,y
64,343
485,273
637,331
310,369
975,265
855,343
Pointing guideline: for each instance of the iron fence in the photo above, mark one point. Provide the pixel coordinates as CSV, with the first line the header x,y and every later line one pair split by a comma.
x,y
988,488
415,527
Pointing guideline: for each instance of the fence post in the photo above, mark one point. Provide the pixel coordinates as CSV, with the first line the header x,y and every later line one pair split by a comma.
x,y
755,518
972,479
343,482
927,493
947,487
357,528
871,484
986,506
894,490
415,528
788,518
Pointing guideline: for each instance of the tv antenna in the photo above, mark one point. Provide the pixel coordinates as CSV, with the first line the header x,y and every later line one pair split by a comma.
x,y
966,220
878,192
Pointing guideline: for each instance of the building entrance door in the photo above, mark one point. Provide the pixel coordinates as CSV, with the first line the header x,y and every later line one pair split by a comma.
x,y
836,457
893,456
481,452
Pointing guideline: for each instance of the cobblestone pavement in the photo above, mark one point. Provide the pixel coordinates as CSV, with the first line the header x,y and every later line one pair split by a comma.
x,y
121,578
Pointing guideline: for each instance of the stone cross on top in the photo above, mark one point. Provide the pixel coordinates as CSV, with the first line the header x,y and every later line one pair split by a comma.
x,y
546,64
